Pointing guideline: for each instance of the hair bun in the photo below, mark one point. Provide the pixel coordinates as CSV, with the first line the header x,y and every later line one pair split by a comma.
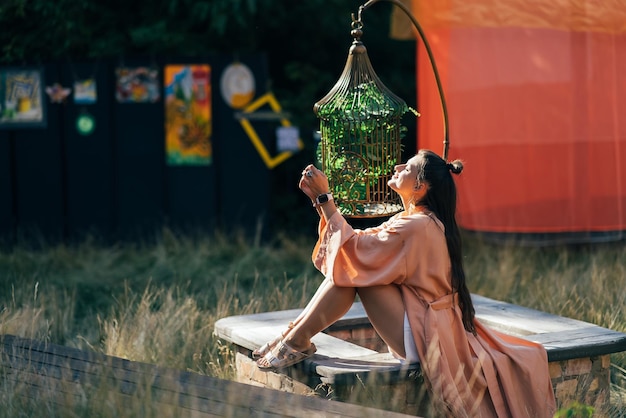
x,y
455,166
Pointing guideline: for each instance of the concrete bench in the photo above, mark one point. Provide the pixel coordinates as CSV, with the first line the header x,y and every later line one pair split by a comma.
x,y
352,364
58,378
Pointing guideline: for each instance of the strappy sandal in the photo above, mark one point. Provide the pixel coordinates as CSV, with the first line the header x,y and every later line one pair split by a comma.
x,y
282,355
265,348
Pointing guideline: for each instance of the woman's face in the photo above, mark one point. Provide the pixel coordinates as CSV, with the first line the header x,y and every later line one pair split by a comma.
x,y
405,177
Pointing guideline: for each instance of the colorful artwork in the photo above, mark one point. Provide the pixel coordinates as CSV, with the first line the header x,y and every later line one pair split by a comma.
x,y
137,85
21,99
188,125
57,93
85,91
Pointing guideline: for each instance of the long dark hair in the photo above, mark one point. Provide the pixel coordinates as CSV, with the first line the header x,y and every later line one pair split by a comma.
x,y
441,200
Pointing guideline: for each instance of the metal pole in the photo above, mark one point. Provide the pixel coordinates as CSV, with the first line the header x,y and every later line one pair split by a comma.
x,y
446,139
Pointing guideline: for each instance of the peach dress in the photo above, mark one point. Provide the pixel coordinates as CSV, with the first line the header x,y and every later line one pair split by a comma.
x,y
487,375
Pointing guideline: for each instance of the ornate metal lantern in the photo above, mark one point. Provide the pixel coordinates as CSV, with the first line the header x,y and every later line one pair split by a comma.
x,y
360,126
361,135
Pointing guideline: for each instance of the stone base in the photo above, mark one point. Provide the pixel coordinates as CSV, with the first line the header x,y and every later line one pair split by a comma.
x,y
583,380
408,396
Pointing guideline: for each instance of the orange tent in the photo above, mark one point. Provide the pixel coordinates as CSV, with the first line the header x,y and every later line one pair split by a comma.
x,y
536,99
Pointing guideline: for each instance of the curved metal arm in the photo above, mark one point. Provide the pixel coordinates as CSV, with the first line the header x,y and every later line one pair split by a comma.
x,y
446,140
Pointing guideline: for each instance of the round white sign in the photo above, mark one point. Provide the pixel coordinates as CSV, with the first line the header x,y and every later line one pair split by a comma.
x,y
237,85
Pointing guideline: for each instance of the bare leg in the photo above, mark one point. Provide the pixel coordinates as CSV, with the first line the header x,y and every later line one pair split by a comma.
x,y
321,290
383,304
385,309
328,305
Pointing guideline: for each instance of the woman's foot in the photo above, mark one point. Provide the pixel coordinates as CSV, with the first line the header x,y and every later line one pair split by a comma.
x,y
265,348
283,355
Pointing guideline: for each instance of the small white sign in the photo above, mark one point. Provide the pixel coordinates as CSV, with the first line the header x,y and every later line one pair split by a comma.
x,y
287,138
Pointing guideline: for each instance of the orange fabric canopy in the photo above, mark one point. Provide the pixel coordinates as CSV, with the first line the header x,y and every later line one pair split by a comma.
x,y
570,15
536,98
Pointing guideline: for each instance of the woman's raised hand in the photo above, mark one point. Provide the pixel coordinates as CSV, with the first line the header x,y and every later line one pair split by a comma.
x,y
313,182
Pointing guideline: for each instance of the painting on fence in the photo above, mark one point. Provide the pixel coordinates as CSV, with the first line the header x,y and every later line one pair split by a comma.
x,y
137,85
85,91
188,124
21,98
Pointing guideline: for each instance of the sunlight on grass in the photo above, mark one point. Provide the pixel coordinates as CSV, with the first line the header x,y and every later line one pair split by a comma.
x,y
158,303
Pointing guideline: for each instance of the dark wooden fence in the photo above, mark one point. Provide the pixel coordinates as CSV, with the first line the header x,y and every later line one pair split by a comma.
x,y
59,185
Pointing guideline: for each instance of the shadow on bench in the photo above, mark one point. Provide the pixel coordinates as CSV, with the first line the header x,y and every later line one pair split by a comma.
x,y
352,365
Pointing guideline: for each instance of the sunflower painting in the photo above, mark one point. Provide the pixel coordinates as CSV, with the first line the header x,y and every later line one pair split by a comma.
x,y
188,125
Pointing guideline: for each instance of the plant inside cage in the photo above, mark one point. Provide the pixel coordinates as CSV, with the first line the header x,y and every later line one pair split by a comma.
x,y
361,137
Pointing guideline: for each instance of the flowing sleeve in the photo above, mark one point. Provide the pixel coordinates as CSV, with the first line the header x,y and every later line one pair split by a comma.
x,y
361,258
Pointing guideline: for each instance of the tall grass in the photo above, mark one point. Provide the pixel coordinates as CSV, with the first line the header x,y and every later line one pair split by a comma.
x,y
158,302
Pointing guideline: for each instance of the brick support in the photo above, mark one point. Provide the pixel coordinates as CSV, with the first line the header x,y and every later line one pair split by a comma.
x,y
585,380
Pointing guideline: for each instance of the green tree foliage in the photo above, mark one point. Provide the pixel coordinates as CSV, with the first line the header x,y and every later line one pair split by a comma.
x,y
306,41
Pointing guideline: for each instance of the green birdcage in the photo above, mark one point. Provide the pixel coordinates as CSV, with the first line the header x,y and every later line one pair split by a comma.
x,y
361,133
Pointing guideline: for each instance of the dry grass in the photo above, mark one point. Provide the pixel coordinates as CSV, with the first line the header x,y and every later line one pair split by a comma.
x,y
158,303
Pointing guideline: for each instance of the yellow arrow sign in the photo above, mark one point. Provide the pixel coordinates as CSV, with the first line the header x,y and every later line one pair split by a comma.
x,y
269,99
